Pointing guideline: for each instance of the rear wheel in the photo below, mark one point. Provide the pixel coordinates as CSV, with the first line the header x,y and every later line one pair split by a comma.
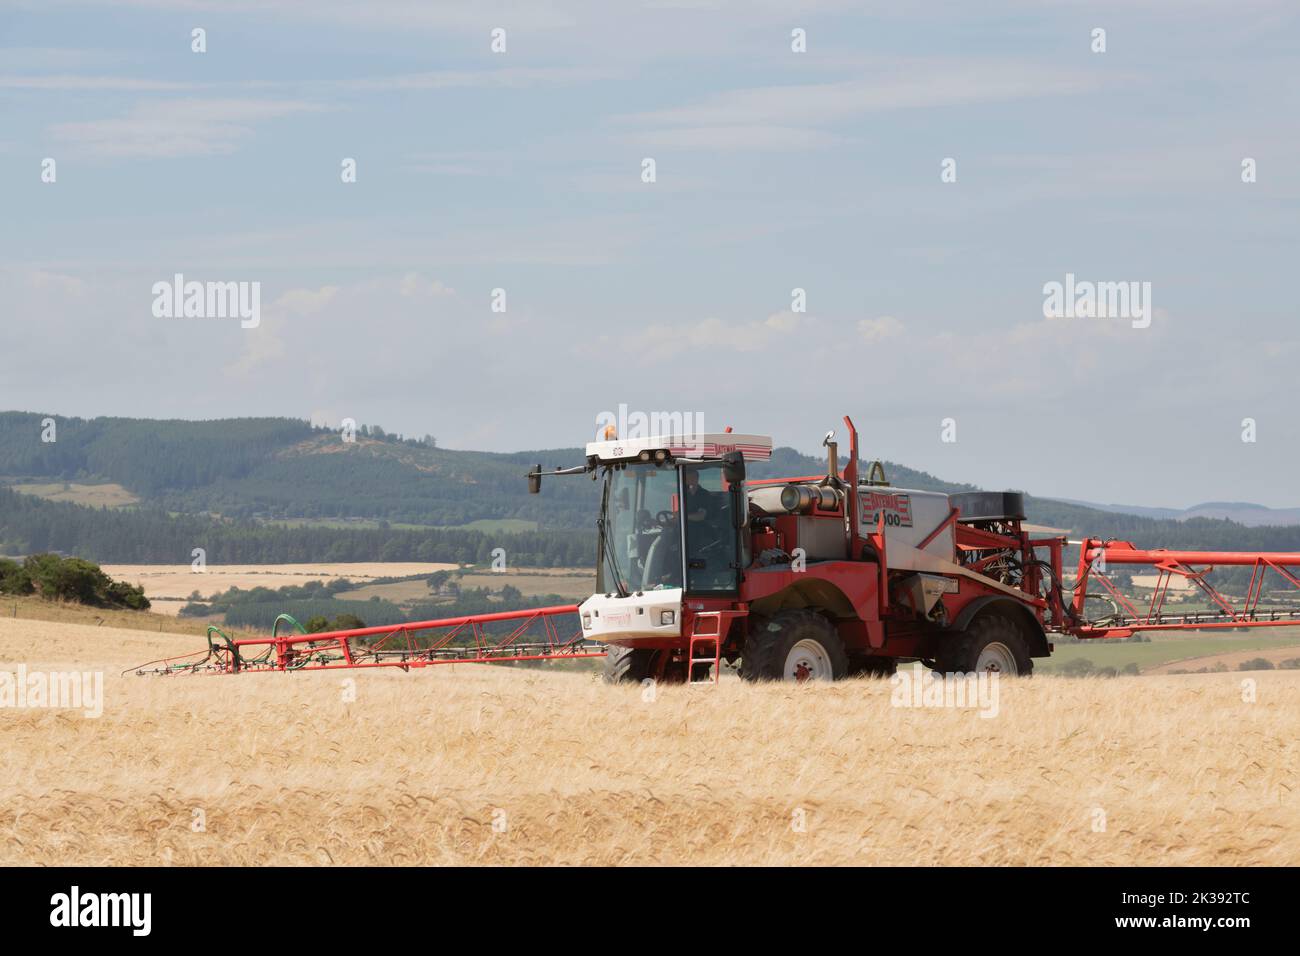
x,y
793,645
991,643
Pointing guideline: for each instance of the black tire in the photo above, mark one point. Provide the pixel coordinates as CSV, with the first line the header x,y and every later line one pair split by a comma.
x,y
960,653
770,641
872,667
628,665
632,665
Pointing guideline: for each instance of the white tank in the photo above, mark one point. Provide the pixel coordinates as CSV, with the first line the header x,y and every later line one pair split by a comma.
x,y
910,517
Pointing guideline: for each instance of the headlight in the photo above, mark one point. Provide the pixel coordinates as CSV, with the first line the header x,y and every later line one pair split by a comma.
x,y
586,622
667,617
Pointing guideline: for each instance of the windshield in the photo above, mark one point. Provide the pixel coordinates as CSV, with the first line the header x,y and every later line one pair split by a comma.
x,y
642,529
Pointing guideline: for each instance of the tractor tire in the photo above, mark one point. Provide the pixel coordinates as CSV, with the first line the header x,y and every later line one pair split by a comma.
x,y
628,665
632,665
873,667
990,643
794,645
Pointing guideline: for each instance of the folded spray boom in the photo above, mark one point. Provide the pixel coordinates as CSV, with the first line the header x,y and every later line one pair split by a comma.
x,y
535,634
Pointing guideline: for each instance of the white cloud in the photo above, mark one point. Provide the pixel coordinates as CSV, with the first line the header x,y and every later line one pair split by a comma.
x,y
876,330
174,128
66,285
305,301
889,84
415,286
664,340
261,347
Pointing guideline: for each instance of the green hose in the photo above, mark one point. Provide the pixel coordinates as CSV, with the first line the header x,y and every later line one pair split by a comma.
x,y
289,618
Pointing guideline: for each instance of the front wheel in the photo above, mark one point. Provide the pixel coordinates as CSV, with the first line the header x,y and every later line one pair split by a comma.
x,y
793,645
628,665
632,665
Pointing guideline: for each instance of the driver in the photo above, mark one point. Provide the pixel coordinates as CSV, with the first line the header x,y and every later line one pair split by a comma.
x,y
699,502
705,511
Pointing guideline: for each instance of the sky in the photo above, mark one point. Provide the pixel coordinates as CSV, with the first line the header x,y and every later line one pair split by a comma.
x,y
827,169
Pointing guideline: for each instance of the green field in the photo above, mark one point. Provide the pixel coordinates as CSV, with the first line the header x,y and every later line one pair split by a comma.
x,y
399,592
498,525
102,495
1163,650
355,523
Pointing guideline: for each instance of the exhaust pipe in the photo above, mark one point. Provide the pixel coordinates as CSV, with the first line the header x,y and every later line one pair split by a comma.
x,y
832,458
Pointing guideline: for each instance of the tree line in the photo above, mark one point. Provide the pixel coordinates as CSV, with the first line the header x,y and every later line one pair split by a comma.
x,y
151,536
316,604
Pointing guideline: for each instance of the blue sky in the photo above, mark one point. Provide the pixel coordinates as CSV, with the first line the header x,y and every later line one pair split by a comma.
x,y
775,170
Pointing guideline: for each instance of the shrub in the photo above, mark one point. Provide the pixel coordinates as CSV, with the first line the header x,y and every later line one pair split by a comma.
x,y
1256,664
70,579
14,578
128,595
342,622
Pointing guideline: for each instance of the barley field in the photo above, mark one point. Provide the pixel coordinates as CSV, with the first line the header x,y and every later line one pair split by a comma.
x,y
475,765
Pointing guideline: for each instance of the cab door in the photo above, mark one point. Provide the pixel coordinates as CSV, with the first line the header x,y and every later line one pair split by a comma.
x,y
711,552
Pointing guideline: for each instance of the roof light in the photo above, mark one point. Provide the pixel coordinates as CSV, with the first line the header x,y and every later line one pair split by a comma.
x,y
610,433
661,455
644,456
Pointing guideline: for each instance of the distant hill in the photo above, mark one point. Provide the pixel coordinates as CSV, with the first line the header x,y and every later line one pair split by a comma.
x,y
275,468
379,496
1242,512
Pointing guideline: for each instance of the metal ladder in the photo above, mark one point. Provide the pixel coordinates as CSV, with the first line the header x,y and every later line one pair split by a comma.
x,y
721,621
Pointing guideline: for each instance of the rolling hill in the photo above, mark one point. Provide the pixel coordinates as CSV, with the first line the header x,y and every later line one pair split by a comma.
x,y
275,486
1242,512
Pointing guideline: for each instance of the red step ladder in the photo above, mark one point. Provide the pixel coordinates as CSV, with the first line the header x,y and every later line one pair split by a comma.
x,y
710,627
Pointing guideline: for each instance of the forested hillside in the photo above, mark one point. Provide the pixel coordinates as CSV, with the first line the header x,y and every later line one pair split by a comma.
x,y
281,468
222,485
30,525
148,457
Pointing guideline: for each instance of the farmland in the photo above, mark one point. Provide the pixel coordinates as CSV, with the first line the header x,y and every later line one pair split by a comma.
x,y
169,586
1175,651
97,495
499,765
